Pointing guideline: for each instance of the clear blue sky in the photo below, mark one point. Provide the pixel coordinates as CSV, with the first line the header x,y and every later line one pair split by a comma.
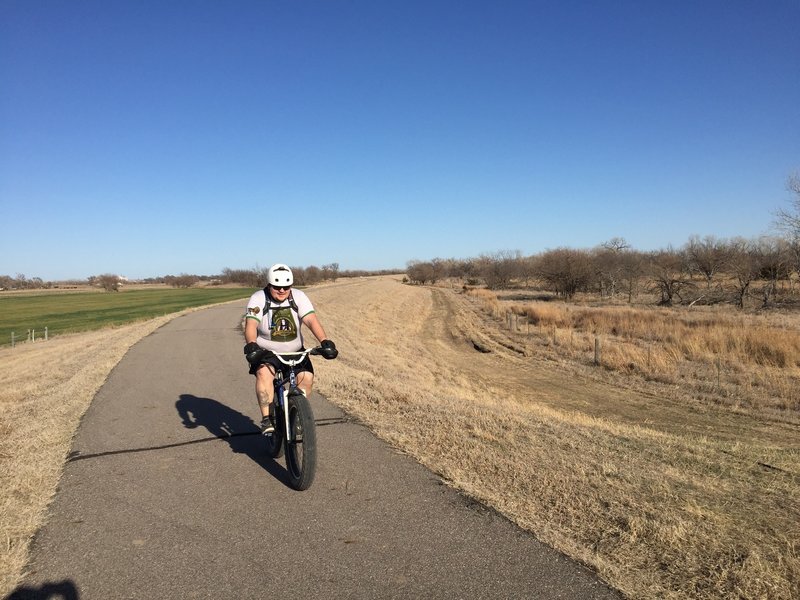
x,y
148,138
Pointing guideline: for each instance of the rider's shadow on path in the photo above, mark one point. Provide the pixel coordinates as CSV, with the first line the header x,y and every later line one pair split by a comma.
x,y
225,423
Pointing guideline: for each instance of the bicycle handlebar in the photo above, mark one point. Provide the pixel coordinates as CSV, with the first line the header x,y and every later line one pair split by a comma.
x,y
262,354
291,362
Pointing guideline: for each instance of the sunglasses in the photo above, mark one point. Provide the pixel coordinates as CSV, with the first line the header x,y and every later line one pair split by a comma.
x,y
285,288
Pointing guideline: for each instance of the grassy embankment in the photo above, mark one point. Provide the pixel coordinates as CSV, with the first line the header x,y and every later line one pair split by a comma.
x,y
667,492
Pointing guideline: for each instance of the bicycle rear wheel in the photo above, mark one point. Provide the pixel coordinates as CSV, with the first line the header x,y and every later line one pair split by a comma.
x,y
301,449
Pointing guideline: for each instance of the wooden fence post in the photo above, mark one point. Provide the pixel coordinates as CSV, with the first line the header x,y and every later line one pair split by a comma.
x,y
596,350
12,339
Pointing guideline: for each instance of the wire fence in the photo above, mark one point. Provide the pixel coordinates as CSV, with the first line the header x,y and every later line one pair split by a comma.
x,y
521,324
714,375
29,336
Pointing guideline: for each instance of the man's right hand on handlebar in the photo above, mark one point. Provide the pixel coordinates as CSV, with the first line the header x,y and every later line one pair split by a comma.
x,y
251,350
329,350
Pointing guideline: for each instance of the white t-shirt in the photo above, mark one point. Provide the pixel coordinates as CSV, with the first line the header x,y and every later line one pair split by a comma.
x,y
278,323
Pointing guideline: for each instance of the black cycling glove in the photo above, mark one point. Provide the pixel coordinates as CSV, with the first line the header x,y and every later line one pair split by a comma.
x,y
251,351
329,350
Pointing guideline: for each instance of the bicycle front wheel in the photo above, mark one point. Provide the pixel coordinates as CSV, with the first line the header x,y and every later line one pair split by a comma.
x,y
301,448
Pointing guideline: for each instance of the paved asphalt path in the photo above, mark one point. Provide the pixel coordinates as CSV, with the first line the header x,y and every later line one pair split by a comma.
x,y
169,494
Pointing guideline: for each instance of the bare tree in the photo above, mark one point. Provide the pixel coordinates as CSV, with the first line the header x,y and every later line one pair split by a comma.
x,y
439,269
299,276
565,271
788,220
184,280
634,268
527,270
501,268
25,283
420,272
743,265
467,270
773,260
706,256
331,271
108,281
314,274
248,277
609,261
616,244
668,270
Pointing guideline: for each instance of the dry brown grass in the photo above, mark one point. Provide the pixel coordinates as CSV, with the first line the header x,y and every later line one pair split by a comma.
x,y
664,497
749,360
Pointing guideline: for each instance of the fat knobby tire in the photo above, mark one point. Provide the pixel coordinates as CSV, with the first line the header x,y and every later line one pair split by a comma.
x,y
301,454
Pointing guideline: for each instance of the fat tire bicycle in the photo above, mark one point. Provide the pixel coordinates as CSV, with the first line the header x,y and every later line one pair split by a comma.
x,y
295,431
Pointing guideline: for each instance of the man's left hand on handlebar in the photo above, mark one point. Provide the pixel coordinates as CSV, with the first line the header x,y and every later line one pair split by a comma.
x,y
329,350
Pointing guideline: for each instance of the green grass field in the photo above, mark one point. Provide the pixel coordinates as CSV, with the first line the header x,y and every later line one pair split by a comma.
x,y
84,311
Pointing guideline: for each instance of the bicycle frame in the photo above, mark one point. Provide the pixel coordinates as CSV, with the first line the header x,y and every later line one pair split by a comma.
x,y
280,381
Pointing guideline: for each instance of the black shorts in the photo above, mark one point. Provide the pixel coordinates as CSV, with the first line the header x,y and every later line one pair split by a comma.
x,y
277,365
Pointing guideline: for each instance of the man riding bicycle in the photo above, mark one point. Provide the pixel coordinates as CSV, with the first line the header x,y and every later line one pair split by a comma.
x,y
273,321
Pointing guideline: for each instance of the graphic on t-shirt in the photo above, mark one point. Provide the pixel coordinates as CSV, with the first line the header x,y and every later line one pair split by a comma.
x,y
283,327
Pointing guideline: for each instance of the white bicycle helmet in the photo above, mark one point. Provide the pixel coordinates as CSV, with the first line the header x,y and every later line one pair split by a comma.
x,y
280,275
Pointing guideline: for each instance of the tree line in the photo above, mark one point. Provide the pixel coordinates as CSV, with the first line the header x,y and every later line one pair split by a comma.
x,y
255,277
21,282
302,275
705,270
